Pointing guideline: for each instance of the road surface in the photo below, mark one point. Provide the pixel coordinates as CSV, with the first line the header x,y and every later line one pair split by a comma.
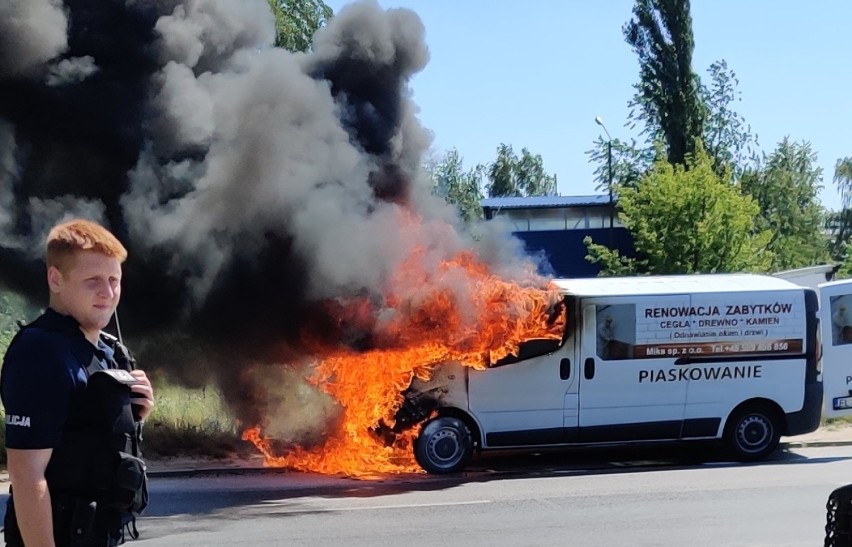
x,y
597,498
645,500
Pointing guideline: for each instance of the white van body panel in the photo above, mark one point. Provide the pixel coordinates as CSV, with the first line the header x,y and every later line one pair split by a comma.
x,y
652,382
719,400
527,395
514,398
650,358
673,284
811,276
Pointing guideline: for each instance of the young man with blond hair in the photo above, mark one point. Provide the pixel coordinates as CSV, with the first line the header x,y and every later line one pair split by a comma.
x,y
68,397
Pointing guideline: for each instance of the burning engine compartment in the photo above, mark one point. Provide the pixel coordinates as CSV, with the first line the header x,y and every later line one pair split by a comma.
x,y
447,384
275,209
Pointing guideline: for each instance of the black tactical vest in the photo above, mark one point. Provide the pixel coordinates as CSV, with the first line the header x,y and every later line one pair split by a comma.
x,y
96,476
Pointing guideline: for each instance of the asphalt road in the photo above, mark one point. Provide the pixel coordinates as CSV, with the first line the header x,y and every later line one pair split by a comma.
x,y
590,499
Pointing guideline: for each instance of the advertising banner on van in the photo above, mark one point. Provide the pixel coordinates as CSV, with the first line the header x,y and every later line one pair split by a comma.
x,y
702,325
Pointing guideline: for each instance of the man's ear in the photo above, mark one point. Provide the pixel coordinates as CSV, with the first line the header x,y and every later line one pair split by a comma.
x,y
54,278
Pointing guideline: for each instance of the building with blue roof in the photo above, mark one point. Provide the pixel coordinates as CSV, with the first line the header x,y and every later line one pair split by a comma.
x,y
554,227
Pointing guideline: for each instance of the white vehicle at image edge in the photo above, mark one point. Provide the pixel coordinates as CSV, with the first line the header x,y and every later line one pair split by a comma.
x,y
836,320
731,357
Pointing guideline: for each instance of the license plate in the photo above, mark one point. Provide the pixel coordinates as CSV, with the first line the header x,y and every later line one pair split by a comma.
x,y
842,403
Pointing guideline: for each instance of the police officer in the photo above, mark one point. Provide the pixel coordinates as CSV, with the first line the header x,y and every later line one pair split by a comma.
x,y
66,438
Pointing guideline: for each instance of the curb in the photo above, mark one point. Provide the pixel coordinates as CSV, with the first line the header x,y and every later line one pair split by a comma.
x,y
209,471
237,470
815,443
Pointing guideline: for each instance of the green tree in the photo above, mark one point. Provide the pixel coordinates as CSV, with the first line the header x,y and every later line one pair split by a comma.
x,y
458,186
687,219
296,21
524,176
501,173
727,137
838,224
786,186
629,162
13,308
843,180
660,33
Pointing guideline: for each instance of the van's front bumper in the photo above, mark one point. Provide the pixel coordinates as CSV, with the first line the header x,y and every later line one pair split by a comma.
x,y
807,419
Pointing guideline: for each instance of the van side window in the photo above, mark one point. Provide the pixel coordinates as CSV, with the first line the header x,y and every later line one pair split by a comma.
x,y
529,349
539,346
841,319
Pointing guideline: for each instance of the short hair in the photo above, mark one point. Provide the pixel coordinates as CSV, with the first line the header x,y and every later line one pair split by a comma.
x,y
81,235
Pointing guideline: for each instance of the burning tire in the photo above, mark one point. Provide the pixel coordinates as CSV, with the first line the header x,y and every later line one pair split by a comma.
x,y
444,446
752,433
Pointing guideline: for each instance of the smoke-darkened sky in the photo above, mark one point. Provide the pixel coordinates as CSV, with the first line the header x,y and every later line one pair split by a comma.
x,y
249,183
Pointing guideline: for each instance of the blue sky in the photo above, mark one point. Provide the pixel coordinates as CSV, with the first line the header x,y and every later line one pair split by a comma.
x,y
536,73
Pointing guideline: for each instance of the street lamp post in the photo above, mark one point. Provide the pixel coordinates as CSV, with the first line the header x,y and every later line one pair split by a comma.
x,y
599,121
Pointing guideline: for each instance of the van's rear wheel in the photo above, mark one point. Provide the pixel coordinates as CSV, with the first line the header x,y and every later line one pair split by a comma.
x,y
444,446
752,433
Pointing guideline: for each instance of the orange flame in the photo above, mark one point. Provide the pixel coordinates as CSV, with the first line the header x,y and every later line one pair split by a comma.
x,y
460,312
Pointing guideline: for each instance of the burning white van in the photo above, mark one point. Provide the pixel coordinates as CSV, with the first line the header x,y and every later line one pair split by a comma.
x,y
734,357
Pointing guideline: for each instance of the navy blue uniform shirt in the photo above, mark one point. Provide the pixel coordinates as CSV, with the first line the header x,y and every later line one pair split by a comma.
x,y
43,379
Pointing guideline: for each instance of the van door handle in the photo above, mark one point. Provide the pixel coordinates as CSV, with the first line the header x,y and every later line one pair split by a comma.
x,y
589,371
565,368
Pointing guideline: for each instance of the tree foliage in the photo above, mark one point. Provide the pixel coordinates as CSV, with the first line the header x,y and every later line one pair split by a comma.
x,y
660,33
510,175
629,162
671,106
687,219
843,180
296,21
458,186
727,137
786,186
839,223
13,309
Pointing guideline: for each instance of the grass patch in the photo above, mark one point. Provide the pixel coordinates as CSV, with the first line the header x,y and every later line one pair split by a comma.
x,y
837,422
190,422
185,423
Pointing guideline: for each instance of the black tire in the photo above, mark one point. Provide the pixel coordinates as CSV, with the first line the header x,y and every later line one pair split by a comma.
x,y
444,445
752,433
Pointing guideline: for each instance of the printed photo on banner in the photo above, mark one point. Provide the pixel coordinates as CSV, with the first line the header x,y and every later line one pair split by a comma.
x,y
841,319
616,331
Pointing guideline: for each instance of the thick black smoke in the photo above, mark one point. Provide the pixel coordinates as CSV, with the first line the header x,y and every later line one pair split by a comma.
x,y
252,186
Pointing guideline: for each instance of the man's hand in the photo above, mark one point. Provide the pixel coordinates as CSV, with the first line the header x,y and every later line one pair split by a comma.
x,y
32,498
145,392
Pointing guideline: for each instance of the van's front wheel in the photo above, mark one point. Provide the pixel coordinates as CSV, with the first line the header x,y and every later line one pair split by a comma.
x,y
752,433
445,445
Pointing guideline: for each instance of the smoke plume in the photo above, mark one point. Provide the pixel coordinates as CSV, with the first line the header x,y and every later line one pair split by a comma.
x,y
256,189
